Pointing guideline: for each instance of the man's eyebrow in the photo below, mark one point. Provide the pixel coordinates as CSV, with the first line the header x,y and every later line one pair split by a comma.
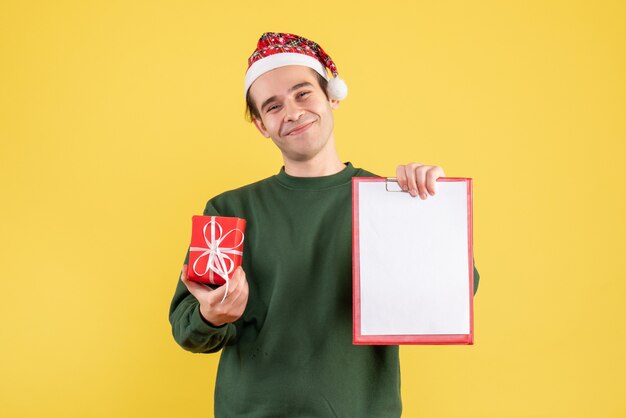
x,y
295,87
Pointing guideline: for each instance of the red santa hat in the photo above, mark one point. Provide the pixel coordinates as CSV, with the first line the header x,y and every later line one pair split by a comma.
x,y
276,50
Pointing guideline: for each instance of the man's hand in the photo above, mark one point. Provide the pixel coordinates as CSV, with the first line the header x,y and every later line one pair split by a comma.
x,y
418,179
211,306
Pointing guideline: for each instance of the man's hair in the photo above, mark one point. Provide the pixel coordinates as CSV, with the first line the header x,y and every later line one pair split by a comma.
x,y
253,112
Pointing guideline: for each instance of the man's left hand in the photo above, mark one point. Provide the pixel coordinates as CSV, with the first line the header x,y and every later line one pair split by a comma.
x,y
419,179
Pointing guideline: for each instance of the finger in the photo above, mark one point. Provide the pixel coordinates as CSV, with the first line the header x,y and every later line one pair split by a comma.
x,y
233,292
411,179
401,177
233,306
431,179
238,305
241,292
237,282
420,180
219,295
198,290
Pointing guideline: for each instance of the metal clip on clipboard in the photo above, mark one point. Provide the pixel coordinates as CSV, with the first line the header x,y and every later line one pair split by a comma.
x,y
392,185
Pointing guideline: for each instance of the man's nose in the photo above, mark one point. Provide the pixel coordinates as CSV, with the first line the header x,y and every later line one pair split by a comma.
x,y
292,111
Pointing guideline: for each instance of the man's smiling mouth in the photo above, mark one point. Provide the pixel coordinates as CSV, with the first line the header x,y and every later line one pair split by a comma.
x,y
300,129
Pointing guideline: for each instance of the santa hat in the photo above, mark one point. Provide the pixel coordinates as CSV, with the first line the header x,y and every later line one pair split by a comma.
x,y
276,50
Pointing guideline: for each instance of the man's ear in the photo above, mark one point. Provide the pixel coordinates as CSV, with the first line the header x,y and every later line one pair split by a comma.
x,y
259,125
334,103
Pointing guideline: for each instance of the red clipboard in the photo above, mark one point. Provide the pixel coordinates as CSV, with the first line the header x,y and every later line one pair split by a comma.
x,y
412,263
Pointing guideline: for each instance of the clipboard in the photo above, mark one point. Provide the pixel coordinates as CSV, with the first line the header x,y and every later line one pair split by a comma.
x,y
412,263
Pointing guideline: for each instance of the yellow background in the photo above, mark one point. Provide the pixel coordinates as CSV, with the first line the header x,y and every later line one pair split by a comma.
x,y
119,119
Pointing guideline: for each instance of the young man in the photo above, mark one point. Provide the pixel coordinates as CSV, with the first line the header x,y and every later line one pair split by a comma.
x,y
285,326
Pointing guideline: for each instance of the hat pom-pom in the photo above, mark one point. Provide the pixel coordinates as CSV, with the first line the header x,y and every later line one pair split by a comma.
x,y
337,88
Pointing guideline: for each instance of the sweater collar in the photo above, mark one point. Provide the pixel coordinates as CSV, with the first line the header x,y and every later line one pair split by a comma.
x,y
317,183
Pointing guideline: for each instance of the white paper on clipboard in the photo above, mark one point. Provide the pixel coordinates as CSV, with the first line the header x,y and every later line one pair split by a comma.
x,y
412,264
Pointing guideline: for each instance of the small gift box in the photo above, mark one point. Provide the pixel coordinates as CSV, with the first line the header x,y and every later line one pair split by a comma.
x,y
216,248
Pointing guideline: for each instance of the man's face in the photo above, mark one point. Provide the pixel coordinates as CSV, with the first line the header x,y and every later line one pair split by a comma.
x,y
294,111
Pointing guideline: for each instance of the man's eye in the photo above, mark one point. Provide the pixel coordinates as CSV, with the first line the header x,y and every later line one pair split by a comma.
x,y
303,93
272,107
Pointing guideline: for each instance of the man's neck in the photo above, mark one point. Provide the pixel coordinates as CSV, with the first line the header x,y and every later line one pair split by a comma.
x,y
325,163
313,168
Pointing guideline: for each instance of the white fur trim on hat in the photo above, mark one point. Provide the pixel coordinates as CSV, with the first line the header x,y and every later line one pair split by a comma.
x,y
271,62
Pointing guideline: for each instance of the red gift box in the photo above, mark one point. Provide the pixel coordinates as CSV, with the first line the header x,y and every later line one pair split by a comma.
x,y
216,248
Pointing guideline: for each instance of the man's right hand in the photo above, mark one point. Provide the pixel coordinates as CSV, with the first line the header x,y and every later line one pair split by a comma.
x,y
212,308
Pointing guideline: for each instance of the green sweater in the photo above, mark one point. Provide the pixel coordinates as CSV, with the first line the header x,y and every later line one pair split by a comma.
x,y
291,353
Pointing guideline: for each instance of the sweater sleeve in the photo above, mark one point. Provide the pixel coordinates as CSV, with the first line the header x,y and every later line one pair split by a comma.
x,y
191,331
